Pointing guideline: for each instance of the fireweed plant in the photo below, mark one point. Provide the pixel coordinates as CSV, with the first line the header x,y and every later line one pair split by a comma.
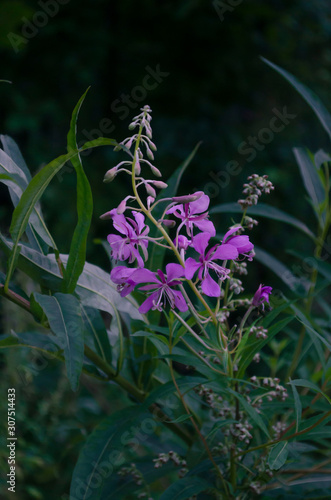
x,y
227,389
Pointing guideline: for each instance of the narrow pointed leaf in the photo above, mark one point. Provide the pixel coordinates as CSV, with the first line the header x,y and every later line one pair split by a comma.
x,y
264,210
310,97
64,317
278,455
297,405
309,176
250,411
77,253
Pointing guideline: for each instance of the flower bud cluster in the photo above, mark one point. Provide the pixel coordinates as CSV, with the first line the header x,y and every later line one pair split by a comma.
x,y
259,331
132,471
278,428
249,223
223,314
142,121
236,286
173,457
278,391
254,189
241,431
240,267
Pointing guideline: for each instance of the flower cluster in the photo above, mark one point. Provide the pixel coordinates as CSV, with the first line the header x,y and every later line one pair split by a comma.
x,y
173,457
188,215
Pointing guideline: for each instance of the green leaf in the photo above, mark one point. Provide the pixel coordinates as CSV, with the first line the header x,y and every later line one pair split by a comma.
x,y
250,411
310,97
278,455
180,419
95,327
185,488
298,406
264,210
311,180
64,317
20,177
320,158
160,342
309,385
94,286
295,284
106,444
12,150
77,253
257,346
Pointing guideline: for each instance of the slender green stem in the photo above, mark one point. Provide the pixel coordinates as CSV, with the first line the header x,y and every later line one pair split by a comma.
x,y
285,438
204,442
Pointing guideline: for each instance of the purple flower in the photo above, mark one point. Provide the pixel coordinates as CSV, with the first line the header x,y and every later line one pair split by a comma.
x,y
194,214
207,263
160,287
261,295
240,242
135,232
120,276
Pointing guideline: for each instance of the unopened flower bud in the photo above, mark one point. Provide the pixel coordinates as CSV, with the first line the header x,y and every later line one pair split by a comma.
x,y
137,167
155,171
188,198
150,200
121,207
150,190
110,175
160,184
167,222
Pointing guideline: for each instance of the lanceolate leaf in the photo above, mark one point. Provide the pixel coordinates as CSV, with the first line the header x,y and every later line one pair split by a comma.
x,y
264,210
309,176
310,97
64,317
94,286
310,385
250,411
95,326
278,455
294,283
35,190
298,406
106,445
77,254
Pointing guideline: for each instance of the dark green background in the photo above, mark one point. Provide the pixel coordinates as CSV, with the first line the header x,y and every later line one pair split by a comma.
x,y
218,91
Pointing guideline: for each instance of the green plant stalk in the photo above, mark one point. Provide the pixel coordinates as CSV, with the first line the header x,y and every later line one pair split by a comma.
x,y
317,253
204,442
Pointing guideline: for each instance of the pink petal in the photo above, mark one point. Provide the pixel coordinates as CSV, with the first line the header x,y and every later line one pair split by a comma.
x,y
206,226
200,242
210,287
231,231
200,205
144,276
180,301
242,243
174,271
225,252
140,220
191,266
148,303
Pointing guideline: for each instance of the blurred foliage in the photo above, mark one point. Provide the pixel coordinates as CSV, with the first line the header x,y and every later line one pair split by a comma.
x,y
218,91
